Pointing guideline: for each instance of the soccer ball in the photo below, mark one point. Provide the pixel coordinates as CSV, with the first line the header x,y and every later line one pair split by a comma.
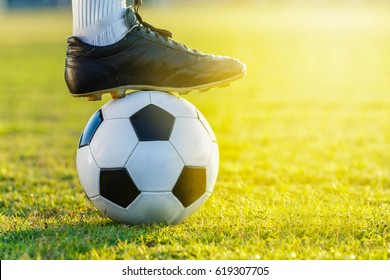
x,y
150,157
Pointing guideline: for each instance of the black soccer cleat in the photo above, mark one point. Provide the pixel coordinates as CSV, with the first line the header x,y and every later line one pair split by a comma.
x,y
145,59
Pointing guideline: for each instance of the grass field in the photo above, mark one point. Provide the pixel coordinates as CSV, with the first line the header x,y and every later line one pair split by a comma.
x,y
304,139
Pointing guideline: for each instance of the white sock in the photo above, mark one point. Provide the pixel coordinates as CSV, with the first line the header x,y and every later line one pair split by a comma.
x,y
99,22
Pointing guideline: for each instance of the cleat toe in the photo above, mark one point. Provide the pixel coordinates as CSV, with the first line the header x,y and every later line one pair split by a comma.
x,y
224,85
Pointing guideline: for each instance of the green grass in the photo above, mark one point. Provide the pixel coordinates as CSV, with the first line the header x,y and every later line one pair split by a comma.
x,y
304,140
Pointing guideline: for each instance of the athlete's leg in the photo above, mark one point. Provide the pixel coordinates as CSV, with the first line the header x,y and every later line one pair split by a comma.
x,y
99,22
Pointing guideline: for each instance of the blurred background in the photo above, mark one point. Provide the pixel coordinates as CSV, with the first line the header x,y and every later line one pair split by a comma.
x,y
12,4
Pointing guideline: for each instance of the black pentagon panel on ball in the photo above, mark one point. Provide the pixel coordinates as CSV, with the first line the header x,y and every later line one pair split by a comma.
x,y
191,185
117,186
153,123
90,129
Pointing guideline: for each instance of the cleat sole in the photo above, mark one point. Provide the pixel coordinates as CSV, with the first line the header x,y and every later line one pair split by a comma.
x,y
94,97
118,94
121,91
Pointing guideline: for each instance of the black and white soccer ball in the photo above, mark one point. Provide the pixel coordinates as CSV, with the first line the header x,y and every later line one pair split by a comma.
x,y
150,157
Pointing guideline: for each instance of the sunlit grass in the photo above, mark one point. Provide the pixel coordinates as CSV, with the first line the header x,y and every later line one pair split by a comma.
x,y
304,140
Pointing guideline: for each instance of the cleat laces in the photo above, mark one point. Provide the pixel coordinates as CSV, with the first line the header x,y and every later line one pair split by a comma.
x,y
166,34
163,32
